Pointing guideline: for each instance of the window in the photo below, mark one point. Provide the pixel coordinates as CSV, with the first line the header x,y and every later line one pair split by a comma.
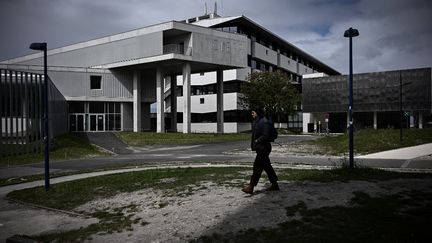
x,y
201,100
267,52
202,74
95,82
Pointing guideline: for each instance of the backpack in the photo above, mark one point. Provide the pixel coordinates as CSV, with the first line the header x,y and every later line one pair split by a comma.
x,y
273,131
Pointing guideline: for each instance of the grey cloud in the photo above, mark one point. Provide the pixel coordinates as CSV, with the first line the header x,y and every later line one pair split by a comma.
x,y
393,33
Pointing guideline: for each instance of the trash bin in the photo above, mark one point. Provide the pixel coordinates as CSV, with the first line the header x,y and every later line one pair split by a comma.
x,y
310,127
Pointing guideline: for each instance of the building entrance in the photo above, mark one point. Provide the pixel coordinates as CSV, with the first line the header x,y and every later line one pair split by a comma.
x,y
77,123
97,122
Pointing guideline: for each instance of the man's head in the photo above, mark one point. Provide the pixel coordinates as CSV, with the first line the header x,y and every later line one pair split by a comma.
x,y
257,112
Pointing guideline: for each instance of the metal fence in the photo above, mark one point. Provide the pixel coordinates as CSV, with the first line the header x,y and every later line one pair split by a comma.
x,y
21,109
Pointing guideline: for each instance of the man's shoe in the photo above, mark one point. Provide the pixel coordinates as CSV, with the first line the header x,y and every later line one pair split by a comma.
x,y
273,187
248,189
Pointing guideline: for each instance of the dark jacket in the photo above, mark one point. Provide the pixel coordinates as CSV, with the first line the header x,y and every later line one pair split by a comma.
x,y
260,134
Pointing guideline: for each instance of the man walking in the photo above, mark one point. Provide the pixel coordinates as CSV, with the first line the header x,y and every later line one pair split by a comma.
x,y
260,143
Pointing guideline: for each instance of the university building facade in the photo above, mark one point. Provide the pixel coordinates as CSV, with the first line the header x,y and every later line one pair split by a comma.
x,y
180,76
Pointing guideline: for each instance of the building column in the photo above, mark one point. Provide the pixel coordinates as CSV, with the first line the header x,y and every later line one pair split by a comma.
x,y
173,79
136,101
186,98
375,120
160,95
219,101
420,120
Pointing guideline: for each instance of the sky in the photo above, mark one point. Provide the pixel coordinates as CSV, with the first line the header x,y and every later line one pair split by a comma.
x,y
394,34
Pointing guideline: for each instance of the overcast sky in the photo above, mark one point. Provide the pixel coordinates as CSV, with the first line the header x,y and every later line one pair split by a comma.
x,y
394,34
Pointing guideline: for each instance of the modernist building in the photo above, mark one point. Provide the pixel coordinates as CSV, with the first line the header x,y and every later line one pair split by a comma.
x,y
190,70
379,100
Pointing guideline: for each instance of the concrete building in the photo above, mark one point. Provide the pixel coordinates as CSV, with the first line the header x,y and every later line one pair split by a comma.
x,y
379,100
191,71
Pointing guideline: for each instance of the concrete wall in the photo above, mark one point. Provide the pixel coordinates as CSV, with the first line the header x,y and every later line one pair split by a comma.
x,y
264,53
288,63
219,48
127,116
302,69
211,127
105,53
230,103
116,86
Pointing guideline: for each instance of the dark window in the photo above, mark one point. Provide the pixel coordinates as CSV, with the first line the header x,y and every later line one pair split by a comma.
x,y
76,107
201,100
95,82
96,107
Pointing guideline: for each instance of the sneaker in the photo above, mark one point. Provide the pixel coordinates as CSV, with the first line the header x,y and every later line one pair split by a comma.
x,y
248,189
273,187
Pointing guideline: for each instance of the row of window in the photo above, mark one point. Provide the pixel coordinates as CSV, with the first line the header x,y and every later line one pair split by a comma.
x,y
94,107
265,42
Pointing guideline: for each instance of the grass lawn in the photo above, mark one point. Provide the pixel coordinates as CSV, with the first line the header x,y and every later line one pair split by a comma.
x,y
371,141
404,217
151,138
63,147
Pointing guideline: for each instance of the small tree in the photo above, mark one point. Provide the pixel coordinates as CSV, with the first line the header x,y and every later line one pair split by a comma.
x,y
272,91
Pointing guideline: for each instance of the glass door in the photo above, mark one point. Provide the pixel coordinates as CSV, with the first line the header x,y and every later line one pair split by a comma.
x,y
97,122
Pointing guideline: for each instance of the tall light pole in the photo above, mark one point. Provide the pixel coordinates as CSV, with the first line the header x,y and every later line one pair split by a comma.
x,y
350,33
43,47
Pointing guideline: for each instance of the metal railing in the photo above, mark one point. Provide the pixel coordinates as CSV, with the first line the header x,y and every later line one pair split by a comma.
x,y
21,110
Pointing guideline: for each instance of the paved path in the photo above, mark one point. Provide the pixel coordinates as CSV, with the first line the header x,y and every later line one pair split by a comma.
x,y
106,140
402,153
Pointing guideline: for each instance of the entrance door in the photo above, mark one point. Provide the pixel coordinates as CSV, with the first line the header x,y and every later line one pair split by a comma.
x,y
76,122
97,122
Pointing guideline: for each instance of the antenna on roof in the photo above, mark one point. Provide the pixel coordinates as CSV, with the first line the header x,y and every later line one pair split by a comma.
x,y
205,4
215,9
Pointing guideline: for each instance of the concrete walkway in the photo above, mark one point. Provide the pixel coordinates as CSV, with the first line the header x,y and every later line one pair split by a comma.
x,y
402,153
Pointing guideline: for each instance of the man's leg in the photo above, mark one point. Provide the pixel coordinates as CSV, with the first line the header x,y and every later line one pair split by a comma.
x,y
257,168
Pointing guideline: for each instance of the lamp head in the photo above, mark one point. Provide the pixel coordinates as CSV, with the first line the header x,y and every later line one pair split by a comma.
x,y
351,32
38,46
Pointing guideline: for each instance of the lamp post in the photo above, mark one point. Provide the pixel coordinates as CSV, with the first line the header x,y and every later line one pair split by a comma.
x,y
350,33
43,47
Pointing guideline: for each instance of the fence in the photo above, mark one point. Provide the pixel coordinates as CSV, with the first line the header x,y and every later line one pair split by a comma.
x,y
21,109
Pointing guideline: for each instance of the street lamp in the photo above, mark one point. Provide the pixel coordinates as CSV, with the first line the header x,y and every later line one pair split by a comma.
x,y
43,47
350,33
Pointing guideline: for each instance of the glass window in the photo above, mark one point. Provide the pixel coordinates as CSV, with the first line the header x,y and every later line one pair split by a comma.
x,y
96,107
95,82
76,107
201,100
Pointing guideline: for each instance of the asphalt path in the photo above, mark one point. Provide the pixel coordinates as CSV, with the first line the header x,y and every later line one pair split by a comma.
x,y
206,153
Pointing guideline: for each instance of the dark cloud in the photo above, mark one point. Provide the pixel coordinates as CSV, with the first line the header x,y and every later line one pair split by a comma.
x,y
393,33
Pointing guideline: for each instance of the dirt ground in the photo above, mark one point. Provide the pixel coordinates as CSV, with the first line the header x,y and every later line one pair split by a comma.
x,y
210,208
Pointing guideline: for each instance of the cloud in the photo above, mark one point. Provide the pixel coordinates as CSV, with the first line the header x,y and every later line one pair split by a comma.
x,y
394,34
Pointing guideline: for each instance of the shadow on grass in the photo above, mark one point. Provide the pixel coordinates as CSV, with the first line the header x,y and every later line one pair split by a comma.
x,y
403,217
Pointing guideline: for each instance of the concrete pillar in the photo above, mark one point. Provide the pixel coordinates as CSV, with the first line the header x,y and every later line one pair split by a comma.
x,y
219,102
136,101
420,120
173,87
375,120
186,98
160,110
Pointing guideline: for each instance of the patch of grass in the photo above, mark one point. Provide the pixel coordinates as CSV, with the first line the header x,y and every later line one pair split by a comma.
x,y
371,141
64,147
151,138
404,217
186,181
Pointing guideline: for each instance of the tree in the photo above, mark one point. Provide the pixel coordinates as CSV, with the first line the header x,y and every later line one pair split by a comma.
x,y
272,91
